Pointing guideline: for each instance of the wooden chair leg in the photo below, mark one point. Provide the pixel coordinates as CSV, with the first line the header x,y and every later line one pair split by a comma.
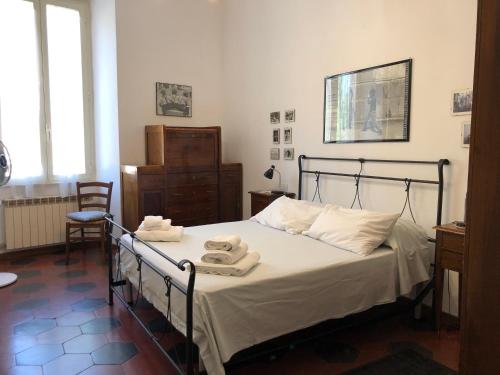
x,y
67,242
103,241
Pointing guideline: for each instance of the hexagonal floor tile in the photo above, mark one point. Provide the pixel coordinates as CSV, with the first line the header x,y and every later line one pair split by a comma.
x,y
59,335
23,261
80,287
73,274
68,364
62,262
75,318
88,304
114,353
100,325
39,354
34,327
85,343
29,288
19,343
104,370
31,304
27,274
26,370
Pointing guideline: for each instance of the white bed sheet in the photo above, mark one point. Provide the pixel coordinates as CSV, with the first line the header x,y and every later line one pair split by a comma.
x,y
299,282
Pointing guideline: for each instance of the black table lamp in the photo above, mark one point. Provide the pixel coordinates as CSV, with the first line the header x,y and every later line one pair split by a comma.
x,y
270,174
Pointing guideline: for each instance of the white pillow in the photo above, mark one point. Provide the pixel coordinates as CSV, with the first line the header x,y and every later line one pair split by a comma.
x,y
409,242
359,231
407,237
291,215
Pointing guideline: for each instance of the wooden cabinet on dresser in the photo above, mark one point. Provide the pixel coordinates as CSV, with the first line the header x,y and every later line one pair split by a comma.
x,y
189,184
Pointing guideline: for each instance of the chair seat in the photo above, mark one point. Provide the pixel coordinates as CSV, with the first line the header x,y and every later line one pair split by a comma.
x,y
86,216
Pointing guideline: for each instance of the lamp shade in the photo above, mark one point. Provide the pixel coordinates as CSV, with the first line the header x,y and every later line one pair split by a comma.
x,y
270,172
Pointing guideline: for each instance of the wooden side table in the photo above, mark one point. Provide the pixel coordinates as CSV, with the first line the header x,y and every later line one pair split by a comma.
x,y
262,199
450,241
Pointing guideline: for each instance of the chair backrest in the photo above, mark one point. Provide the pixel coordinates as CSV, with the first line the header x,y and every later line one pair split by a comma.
x,y
94,195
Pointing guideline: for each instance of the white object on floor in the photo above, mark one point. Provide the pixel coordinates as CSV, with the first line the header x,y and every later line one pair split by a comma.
x,y
225,242
225,257
7,278
172,235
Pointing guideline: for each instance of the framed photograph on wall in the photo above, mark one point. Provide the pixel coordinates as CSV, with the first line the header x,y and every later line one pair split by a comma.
x,y
275,153
461,102
173,100
368,105
287,135
466,134
290,115
275,117
276,136
288,153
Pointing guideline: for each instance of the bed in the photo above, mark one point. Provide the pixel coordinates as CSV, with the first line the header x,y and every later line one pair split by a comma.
x,y
222,315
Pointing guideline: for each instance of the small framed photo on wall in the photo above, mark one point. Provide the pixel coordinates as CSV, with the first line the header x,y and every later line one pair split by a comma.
x,y
287,135
290,115
466,134
288,153
174,100
275,153
275,117
461,102
276,136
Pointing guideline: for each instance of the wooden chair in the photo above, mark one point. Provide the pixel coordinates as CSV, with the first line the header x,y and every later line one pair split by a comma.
x,y
94,201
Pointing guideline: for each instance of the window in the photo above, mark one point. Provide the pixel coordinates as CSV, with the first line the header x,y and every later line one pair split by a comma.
x,y
45,89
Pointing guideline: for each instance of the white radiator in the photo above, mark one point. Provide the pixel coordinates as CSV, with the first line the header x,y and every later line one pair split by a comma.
x,y
36,221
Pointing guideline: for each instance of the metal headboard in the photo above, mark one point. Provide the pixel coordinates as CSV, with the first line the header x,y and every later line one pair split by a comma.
x,y
439,163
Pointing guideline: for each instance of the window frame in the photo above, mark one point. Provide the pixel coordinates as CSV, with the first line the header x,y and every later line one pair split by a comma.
x,y
82,7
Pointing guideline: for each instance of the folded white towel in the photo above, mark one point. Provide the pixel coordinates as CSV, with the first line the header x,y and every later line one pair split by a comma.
x,y
165,224
225,257
250,260
172,235
152,221
223,242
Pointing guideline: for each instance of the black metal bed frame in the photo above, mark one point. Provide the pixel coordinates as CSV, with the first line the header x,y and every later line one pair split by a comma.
x,y
358,176
188,291
191,348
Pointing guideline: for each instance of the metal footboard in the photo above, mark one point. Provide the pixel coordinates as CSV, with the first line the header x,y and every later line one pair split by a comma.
x,y
115,283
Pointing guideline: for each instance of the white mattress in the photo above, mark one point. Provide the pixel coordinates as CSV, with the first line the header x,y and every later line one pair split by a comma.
x,y
298,283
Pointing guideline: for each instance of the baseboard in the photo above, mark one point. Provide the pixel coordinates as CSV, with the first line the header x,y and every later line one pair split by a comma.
x,y
48,249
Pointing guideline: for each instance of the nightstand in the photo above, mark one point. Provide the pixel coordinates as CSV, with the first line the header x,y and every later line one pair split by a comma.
x,y
450,241
262,199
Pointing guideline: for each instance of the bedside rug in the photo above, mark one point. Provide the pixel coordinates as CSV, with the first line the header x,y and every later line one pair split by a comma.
x,y
407,362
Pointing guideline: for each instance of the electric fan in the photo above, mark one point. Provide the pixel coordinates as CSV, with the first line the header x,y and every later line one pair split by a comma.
x,y
5,170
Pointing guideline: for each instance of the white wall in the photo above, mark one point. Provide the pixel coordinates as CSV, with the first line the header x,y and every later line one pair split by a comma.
x,y
276,54
166,41
105,97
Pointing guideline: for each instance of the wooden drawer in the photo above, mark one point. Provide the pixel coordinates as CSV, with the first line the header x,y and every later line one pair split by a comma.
x,y
259,203
451,260
187,212
151,182
190,179
193,196
452,242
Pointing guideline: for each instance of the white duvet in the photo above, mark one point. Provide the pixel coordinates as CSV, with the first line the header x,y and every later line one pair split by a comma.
x,y
299,282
